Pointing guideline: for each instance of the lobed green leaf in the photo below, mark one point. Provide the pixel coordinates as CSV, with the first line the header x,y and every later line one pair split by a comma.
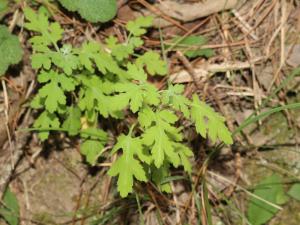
x,y
72,122
46,120
137,27
126,166
208,122
153,63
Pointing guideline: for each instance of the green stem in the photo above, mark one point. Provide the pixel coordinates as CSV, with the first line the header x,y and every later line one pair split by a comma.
x,y
59,129
264,114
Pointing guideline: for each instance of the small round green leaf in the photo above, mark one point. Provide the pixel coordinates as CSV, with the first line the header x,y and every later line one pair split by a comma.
x,y
92,10
10,49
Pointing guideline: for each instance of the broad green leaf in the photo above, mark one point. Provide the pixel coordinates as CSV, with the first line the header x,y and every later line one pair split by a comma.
x,y
191,46
207,53
127,166
46,121
208,122
10,210
72,123
3,7
10,49
92,10
294,191
271,190
189,41
153,63
137,27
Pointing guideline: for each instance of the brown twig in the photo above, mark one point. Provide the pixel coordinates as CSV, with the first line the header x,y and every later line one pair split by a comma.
x,y
189,68
157,11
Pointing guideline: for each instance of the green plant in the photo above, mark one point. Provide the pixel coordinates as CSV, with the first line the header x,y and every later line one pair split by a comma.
x,y
3,7
92,10
9,209
10,49
81,85
191,46
294,191
271,191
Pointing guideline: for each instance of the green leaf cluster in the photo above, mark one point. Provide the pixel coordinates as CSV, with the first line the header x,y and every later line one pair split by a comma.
x,y
81,85
10,49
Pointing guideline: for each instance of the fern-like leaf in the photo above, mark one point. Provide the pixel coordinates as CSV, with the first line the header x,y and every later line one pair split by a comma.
x,y
127,166
208,122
